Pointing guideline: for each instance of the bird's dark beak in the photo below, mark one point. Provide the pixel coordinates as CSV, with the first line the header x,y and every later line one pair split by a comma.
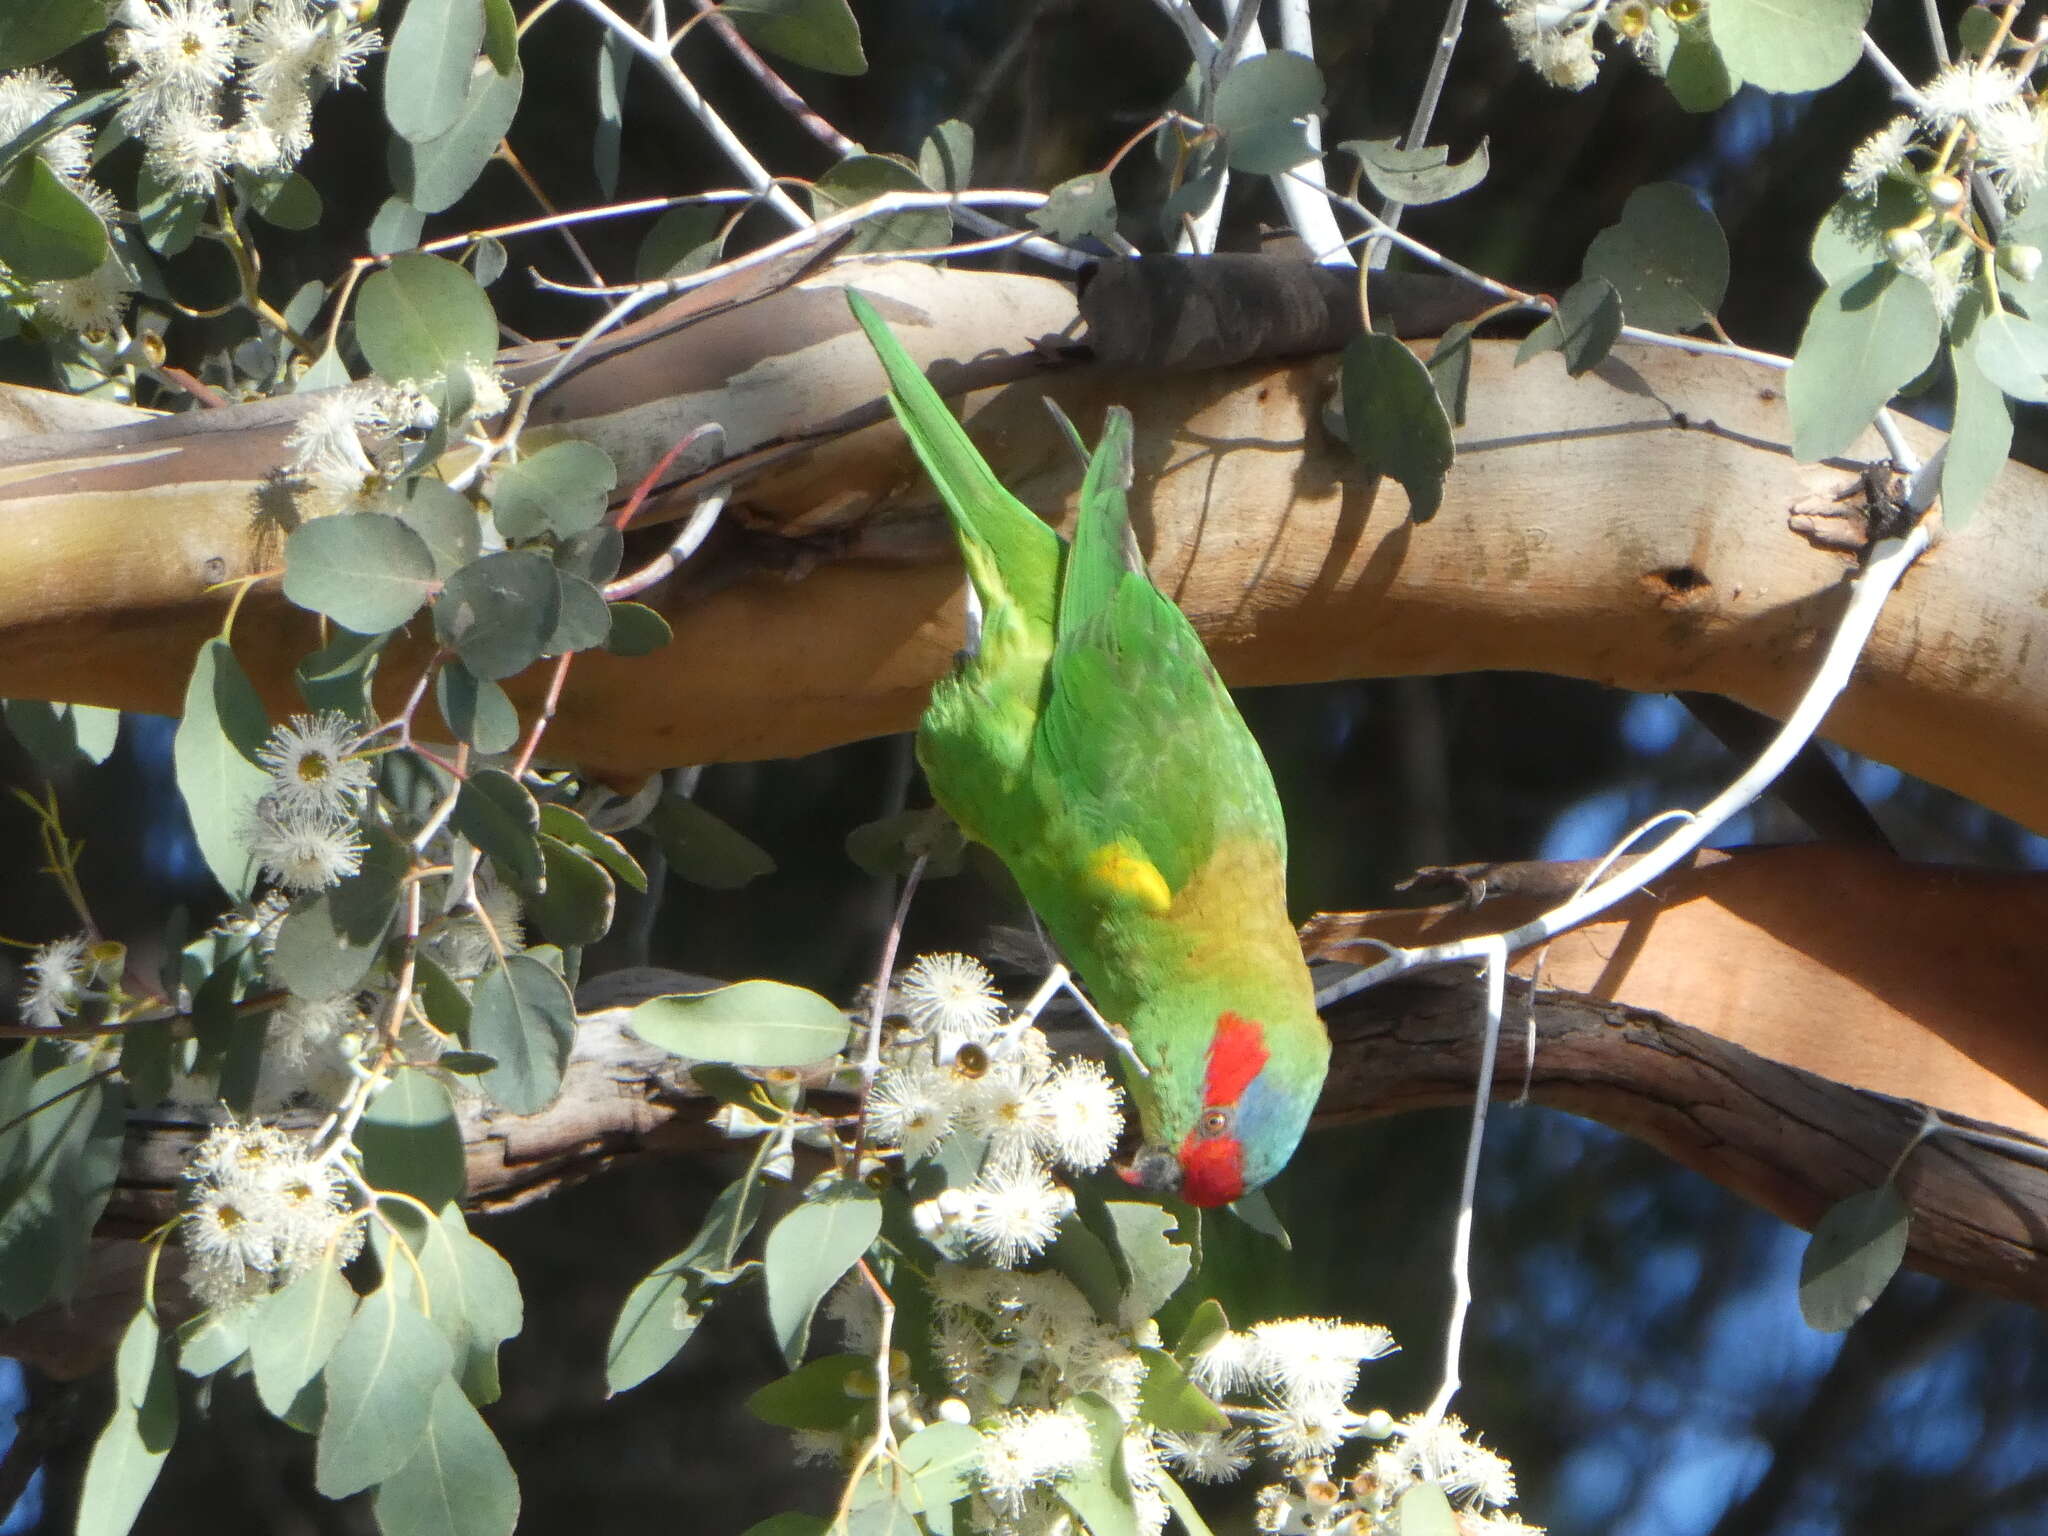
x,y
1154,1170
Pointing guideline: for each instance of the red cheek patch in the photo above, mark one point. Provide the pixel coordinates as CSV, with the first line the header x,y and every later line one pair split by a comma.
x,y
1237,1054
1212,1170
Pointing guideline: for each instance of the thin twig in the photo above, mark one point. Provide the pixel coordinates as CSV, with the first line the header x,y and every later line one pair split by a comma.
x,y
786,95
1936,36
752,172
1902,88
1425,113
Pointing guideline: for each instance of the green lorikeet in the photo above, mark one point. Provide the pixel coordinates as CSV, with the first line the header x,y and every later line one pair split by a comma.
x,y
1089,742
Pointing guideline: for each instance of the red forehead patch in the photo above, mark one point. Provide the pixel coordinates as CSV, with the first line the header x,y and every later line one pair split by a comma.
x,y
1212,1170
1237,1054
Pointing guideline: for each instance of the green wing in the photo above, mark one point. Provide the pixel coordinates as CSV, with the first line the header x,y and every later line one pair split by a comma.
x,y
1138,731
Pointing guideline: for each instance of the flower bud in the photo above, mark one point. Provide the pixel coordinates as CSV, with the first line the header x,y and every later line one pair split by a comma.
x,y
1946,192
954,1411
2022,261
1903,245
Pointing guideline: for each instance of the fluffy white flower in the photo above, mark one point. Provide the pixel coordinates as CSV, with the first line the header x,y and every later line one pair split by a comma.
x,y
1314,1358
951,995
91,305
57,975
1295,1431
313,767
1015,1213
1226,1364
1555,38
1031,1449
303,852
274,132
1967,92
2013,144
911,1107
188,148
1449,1454
1879,156
179,52
27,95
1207,1456
1011,1107
1087,1115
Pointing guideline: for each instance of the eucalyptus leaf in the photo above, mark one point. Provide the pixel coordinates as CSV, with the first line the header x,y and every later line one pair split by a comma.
x,y
57,1165
294,1333
427,66
1257,108
47,231
496,812
1170,1401
559,822
748,1024
562,490
423,316
1667,258
703,849
818,34
683,240
946,160
380,1385
1585,328
1979,441
1395,422
1426,174
499,612
594,554
1856,1248
1692,67
1100,1492
862,178
433,174
170,216
33,30
458,1481
582,620
637,630
1424,1509
894,844
131,1449
443,518
1158,1266
1083,208
807,1253
214,756
367,572
395,227
1450,369
476,709
821,1394
575,902
1790,45
1869,334
411,1141
521,1013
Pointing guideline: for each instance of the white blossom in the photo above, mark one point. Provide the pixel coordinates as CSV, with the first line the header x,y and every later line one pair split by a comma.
x,y
1087,1115
1967,92
27,95
313,765
303,852
57,975
1315,1358
1015,1213
261,1211
1878,156
2013,144
1449,1454
1555,38
179,52
1031,1449
91,305
1207,1456
950,995
911,1106
1295,1431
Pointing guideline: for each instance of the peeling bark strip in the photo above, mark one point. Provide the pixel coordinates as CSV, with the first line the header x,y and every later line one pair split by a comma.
x,y
1572,505
1784,1139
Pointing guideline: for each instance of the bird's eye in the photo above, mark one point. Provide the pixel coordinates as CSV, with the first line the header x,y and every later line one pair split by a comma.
x,y
1215,1122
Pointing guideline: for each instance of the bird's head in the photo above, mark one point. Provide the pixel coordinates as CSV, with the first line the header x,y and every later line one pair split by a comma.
x,y
1220,1125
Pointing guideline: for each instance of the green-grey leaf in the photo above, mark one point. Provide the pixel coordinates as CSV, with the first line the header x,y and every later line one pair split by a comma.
x,y
1256,1211
1426,174
495,811
1157,1265
862,178
683,240
820,1394
1168,1400
660,1315
595,554
46,230
212,1341
380,1385
1206,1325
433,174
1850,236
395,226
170,216
214,757
131,1449
1691,65
703,849
749,1024
426,69
521,1014
1979,442
558,821
2012,351
1868,335
1424,1510
637,630
574,905
367,572
1395,422
443,518
1100,1493
411,1142
1855,1250
422,316
894,844
1268,87
288,201
476,709
1667,258
1790,45
818,34
1585,328
32,30
1450,369
458,1482
1079,209
806,1254
946,160
499,612
295,1331
328,942
582,621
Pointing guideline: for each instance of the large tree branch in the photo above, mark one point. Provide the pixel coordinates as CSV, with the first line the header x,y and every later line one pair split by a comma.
x,y
1635,526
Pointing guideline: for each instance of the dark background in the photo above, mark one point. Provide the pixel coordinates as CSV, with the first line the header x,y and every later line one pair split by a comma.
x,y
1637,1350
